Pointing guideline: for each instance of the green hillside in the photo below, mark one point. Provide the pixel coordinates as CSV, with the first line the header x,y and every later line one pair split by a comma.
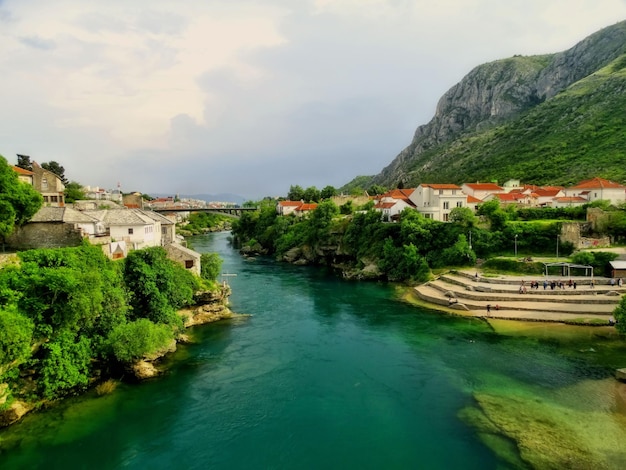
x,y
578,134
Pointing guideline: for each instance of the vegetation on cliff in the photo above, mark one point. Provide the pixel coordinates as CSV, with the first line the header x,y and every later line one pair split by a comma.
x,y
72,316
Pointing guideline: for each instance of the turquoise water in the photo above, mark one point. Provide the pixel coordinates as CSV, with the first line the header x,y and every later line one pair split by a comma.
x,y
323,374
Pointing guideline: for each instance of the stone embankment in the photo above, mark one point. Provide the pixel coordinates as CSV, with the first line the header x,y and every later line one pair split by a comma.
x,y
470,295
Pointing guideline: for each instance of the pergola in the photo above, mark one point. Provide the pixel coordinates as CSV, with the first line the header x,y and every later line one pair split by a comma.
x,y
569,266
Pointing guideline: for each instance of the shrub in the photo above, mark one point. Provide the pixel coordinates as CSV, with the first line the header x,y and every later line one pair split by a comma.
x,y
132,341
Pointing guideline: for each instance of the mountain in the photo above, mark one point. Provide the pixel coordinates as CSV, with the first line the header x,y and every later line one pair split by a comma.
x,y
555,118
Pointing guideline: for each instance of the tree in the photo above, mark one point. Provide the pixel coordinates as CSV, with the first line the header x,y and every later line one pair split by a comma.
x,y
55,168
18,201
133,340
23,161
376,190
296,193
210,263
464,216
74,192
328,192
312,194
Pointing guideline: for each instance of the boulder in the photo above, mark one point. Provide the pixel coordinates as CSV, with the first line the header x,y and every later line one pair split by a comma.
x,y
620,374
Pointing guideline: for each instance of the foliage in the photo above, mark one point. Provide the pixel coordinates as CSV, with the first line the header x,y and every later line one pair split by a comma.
x,y
74,192
211,264
65,365
403,263
296,193
464,216
18,201
552,213
347,207
328,192
312,194
23,161
598,259
458,254
134,340
17,333
513,266
158,286
199,221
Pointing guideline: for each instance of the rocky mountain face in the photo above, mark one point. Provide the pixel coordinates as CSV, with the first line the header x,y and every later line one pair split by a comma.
x,y
498,92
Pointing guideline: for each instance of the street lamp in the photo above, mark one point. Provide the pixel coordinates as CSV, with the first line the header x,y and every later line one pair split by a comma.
x,y
515,245
557,247
470,239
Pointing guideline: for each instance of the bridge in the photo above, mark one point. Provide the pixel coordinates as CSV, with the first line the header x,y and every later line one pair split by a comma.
x,y
228,211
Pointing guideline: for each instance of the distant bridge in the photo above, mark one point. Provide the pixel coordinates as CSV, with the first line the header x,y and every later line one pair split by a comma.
x,y
228,211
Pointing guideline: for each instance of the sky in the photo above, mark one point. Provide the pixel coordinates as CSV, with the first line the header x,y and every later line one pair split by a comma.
x,y
250,97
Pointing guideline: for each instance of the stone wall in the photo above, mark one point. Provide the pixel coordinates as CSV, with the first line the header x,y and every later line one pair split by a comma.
x,y
577,233
44,235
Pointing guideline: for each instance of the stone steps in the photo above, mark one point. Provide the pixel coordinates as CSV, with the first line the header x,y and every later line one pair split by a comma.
x,y
560,305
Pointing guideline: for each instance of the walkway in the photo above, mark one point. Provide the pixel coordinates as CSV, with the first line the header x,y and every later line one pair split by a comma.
x,y
471,296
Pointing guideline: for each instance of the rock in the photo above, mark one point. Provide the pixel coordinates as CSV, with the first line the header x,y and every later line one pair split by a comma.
x,y
144,370
612,293
14,412
458,306
620,374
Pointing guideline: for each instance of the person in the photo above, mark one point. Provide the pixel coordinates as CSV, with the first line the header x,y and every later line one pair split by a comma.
x,y
476,276
591,284
545,284
619,282
497,307
569,284
612,281
488,308
574,285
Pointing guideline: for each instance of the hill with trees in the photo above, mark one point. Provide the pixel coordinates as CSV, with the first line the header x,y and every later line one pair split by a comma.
x,y
551,119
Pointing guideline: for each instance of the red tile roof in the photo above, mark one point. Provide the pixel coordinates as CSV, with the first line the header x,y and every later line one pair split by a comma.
x,y
473,200
398,193
570,199
510,196
385,205
290,203
483,186
594,183
22,171
307,207
541,192
440,186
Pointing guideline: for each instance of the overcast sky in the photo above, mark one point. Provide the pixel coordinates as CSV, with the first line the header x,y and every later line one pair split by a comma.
x,y
250,97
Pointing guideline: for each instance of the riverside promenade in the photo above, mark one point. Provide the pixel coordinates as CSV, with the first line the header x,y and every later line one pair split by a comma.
x,y
467,294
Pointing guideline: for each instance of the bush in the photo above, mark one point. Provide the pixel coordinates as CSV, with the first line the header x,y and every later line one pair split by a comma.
x,y
132,341
513,266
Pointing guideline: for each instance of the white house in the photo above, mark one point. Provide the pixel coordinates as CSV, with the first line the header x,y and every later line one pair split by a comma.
x,y
481,190
435,201
132,226
596,189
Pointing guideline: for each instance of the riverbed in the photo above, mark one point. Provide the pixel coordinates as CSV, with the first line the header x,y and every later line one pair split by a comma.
x,y
326,373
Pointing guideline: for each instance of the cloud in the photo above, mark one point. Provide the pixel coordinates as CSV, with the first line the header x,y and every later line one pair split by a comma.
x,y
250,96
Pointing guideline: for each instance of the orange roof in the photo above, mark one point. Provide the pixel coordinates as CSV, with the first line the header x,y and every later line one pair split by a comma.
x,y
473,200
596,182
441,186
570,199
509,196
398,193
307,207
550,188
290,203
484,186
546,192
22,171
384,205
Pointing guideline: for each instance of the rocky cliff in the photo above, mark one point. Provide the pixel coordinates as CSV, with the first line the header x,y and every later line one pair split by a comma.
x,y
496,93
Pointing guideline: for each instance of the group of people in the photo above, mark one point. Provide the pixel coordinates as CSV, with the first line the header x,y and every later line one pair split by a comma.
x,y
618,282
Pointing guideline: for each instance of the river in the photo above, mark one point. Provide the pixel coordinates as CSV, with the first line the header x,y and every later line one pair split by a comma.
x,y
330,374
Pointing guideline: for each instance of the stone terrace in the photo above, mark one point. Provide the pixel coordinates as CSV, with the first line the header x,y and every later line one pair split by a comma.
x,y
585,304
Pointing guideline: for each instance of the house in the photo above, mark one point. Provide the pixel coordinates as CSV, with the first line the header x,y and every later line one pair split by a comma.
x,y
435,201
287,207
472,202
598,189
49,185
544,197
57,227
188,258
26,176
168,227
304,209
391,210
481,190
132,226
516,198
568,201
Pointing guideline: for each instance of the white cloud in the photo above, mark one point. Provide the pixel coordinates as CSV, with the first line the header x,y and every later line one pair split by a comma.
x,y
217,96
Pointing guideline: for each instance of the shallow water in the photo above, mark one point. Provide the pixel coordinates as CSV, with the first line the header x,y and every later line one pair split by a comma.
x,y
333,374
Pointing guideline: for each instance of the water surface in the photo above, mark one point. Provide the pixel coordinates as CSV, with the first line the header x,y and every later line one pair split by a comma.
x,y
326,374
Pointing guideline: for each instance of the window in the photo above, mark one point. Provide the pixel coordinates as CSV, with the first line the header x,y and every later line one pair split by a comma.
x,y
428,216
459,203
54,198
189,263
44,183
445,217
446,205
130,231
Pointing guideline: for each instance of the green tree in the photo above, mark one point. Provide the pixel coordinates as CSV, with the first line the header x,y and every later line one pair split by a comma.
x,y
74,192
55,168
18,201
312,194
296,193
328,192
23,161
376,190
620,315
65,365
464,216
134,340
158,286
211,264
17,333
